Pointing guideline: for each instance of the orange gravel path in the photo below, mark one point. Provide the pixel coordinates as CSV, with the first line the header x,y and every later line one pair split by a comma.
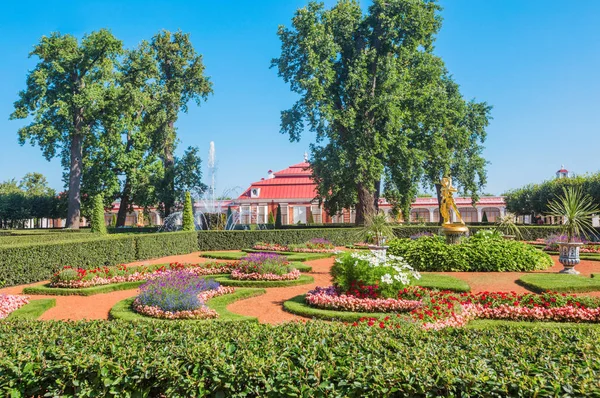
x,y
268,308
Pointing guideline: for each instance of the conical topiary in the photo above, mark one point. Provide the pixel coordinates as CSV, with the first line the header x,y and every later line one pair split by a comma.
x,y
278,217
98,222
113,221
188,214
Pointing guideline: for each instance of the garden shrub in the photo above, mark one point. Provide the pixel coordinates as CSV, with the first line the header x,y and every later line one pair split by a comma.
x,y
21,264
166,244
98,222
181,359
475,254
364,274
188,214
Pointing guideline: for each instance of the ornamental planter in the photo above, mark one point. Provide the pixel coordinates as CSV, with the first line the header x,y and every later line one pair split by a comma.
x,y
569,256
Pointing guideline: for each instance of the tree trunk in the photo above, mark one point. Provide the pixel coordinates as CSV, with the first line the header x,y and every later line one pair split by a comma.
x,y
124,205
169,180
74,204
365,208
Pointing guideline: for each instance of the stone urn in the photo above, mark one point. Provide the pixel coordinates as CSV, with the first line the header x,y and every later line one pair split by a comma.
x,y
569,256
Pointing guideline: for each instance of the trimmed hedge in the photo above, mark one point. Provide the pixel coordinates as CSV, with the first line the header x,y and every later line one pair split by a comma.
x,y
236,240
182,359
165,244
25,264
529,232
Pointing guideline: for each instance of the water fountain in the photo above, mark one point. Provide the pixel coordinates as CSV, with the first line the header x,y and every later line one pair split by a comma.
x,y
209,211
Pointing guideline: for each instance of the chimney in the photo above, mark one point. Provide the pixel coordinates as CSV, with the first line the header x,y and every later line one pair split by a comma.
x,y
270,174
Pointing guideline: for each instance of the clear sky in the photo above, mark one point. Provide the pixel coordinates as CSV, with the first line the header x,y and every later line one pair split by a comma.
x,y
535,61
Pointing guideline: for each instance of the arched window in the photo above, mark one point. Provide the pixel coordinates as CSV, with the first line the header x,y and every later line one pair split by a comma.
x,y
419,215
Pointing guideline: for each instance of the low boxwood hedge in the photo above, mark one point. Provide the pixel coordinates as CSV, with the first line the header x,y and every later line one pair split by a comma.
x,y
473,255
182,359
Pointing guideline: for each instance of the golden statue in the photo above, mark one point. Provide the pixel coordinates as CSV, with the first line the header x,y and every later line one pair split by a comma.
x,y
448,203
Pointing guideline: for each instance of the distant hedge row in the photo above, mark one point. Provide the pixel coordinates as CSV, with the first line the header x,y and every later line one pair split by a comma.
x,y
313,359
34,260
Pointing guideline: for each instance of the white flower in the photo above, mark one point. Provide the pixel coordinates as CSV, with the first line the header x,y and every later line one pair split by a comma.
x,y
387,278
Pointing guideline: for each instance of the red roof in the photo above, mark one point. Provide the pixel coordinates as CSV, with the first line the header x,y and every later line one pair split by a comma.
x,y
563,171
295,182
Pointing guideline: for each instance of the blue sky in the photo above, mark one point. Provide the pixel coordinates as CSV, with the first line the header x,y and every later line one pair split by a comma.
x,y
535,61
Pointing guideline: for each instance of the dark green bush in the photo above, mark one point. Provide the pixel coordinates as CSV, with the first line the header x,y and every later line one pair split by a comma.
x,y
473,255
21,264
166,244
183,359
236,240
530,232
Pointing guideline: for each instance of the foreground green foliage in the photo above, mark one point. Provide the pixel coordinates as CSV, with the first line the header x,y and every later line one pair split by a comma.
x,y
492,254
32,310
182,359
122,310
559,283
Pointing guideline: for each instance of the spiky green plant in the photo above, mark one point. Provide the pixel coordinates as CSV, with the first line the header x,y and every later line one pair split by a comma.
x,y
376,227
506,224
98,222
188,214
576,210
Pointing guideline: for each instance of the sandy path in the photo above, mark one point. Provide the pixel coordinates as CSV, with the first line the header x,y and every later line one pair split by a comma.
x,y
268,308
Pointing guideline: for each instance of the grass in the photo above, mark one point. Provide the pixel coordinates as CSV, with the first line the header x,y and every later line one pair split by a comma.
x,y
32,310
297,305
122,310
90,291
86,291
301,266
308,256
443,282
228,281
224,255
562,283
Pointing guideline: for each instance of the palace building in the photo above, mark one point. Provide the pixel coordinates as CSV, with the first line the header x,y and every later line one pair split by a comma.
x,y
295,191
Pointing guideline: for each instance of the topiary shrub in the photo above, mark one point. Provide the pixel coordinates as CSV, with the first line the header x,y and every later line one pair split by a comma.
x,y
278,217
98,222
482,252
188,214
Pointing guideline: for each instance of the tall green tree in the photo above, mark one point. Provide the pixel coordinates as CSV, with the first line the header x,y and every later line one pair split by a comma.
x,y
180,80
35,184
382,105
65,97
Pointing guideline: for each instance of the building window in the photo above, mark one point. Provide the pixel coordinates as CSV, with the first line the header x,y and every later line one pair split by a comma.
x,y
245,216
316,212
284,214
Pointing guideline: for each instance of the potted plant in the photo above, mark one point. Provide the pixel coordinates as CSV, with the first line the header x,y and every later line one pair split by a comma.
x,y
506,224
377,229
576,210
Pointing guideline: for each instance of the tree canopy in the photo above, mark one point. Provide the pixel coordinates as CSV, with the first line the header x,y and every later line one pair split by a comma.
x,y
382,105
533,199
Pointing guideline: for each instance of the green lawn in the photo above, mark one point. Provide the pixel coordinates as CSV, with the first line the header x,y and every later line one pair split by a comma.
x,y
228,281
86,291
297,305
224,255
563,283
443,282
122,310
32,310
301,266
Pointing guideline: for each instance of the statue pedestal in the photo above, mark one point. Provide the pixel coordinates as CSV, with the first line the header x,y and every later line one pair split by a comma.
x,y
454,232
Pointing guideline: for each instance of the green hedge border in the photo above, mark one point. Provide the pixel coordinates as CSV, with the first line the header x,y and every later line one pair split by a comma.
x,y
580,284
32,310
227,281
297,306
122,310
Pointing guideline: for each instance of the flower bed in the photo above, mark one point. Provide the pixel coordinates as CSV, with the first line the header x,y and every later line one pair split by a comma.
x,y
439,310
265,267
200,313
316,245
178,295
77,278
10,303
329,298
